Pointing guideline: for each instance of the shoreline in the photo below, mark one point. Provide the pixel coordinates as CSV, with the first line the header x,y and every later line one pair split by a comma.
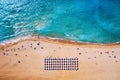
x,y
26,57
51,39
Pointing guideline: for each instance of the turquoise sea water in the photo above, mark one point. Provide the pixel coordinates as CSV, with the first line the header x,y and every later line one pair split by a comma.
x,y
95,21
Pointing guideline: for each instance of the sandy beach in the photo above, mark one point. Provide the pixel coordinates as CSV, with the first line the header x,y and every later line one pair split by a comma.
x,y
26,60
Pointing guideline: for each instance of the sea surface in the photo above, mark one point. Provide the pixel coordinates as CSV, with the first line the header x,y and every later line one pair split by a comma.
x,y
96,21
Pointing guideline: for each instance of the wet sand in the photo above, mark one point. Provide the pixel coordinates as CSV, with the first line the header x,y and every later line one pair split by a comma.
x,y
26,60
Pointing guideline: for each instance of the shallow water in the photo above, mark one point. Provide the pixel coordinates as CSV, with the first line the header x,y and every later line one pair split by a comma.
x,y
79,20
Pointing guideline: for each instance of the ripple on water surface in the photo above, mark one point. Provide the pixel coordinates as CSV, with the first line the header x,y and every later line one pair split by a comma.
x,y
79,20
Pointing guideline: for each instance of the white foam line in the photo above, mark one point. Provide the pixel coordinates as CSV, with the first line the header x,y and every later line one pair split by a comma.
x,y
14,40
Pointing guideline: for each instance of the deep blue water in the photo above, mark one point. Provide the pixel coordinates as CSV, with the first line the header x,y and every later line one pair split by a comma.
x,y
95,21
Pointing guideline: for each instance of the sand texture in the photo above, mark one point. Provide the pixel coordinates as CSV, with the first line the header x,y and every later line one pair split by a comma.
x,y
25,60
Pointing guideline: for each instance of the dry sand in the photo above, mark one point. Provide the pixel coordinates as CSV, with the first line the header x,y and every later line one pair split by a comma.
x,y
24,60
